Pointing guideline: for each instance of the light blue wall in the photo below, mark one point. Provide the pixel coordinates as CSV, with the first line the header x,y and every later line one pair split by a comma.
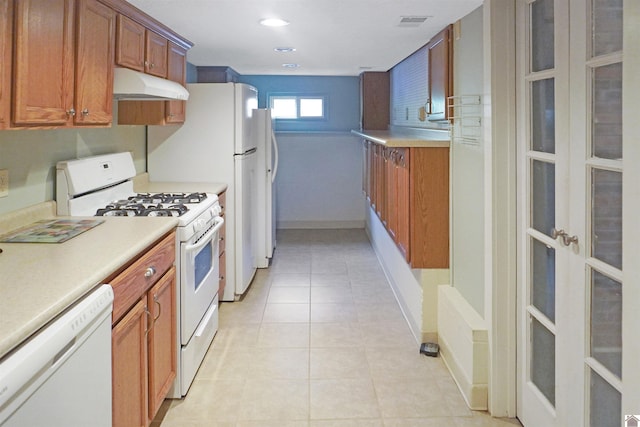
x,y
342,95
320,172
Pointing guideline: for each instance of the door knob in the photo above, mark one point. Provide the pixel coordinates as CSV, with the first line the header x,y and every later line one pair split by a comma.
x,y
566,239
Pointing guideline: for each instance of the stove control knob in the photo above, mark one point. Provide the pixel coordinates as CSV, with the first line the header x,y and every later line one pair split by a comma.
x,y
200,224
216,210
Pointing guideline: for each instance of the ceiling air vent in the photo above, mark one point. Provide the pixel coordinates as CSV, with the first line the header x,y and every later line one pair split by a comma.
x,y
411,21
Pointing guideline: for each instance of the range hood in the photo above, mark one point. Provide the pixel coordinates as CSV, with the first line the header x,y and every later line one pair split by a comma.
x,y
134,85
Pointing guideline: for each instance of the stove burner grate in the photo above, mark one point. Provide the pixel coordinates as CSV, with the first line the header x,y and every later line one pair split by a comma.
x,y
174,198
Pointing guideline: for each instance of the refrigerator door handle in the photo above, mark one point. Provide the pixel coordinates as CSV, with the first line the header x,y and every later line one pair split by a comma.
x,y
275,146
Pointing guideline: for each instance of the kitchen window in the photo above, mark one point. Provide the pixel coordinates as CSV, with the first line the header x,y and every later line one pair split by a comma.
x,y
297,107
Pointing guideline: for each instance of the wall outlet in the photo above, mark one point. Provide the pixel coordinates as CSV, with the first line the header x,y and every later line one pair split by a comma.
x,y
4,182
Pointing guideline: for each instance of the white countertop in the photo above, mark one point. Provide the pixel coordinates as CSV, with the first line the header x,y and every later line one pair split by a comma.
x,y
40,280
407,137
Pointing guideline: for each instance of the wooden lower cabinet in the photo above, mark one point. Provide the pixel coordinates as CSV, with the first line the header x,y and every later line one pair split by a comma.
x,y
402,199
130,368
162,340
222,199
144,335
408,188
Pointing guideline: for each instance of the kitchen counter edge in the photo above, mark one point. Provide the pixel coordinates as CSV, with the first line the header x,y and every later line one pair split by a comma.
x,y
408,138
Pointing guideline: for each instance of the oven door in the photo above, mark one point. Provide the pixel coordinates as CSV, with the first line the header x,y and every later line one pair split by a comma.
x,y
199,278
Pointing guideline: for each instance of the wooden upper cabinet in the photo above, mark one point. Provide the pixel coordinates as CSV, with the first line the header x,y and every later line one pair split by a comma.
x,y
159,112
43,62
130,43
375,100
140,49
440,83
6,28
156,54
177,72
63,69
94,63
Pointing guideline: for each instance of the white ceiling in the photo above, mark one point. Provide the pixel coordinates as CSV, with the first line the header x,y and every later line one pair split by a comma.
x,y
331,37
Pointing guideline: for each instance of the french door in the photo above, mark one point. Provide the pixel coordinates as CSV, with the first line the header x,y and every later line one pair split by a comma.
x,y
570,212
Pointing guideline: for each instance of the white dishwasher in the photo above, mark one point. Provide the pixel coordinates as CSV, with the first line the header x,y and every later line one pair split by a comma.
x,y
61,377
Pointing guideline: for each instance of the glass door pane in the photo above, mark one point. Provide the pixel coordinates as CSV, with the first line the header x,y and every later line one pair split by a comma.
x,y
543,360
605,403
606,322
543,279
543,196
606,126
542,35
606,216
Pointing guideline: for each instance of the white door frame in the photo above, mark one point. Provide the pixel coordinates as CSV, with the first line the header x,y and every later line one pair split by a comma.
x,y
499,59
630,209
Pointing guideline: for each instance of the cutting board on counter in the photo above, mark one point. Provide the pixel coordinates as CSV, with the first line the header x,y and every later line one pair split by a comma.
x,y
50,231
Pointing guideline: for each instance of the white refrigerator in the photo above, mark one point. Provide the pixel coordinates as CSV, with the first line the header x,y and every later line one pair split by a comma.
x,y
267,171
217,143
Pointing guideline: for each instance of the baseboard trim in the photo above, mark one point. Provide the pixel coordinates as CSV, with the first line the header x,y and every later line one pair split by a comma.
x,y
319,224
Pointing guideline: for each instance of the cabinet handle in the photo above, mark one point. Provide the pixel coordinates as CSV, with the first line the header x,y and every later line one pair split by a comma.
x,y
155,299
71,112
150,320
150,271
428,103
221,278
85,112
152,65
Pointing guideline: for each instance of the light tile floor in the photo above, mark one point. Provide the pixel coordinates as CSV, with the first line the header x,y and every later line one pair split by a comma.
x,y
320,341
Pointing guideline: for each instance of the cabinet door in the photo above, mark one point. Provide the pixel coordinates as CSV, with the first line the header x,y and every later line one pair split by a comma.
x,y
94,63
375,93
155,54
43,67
391,176
130,44
6,28
177,70
129,368
381,184
440,74
223,274
402,189
162,340
429,215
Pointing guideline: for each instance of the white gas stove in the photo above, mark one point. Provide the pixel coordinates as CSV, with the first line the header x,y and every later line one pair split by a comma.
x,y
103,186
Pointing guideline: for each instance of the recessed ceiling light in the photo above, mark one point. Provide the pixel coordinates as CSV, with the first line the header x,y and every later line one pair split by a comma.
x,y
274,22
290,65
284,49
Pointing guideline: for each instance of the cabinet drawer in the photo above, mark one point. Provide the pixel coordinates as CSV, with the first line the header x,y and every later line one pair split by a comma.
x,y
129,285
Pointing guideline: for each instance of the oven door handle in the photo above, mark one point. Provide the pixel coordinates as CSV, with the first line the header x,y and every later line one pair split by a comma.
x,y
219,222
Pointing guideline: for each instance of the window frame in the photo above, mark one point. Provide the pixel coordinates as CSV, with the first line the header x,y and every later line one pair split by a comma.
x,y
298,97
